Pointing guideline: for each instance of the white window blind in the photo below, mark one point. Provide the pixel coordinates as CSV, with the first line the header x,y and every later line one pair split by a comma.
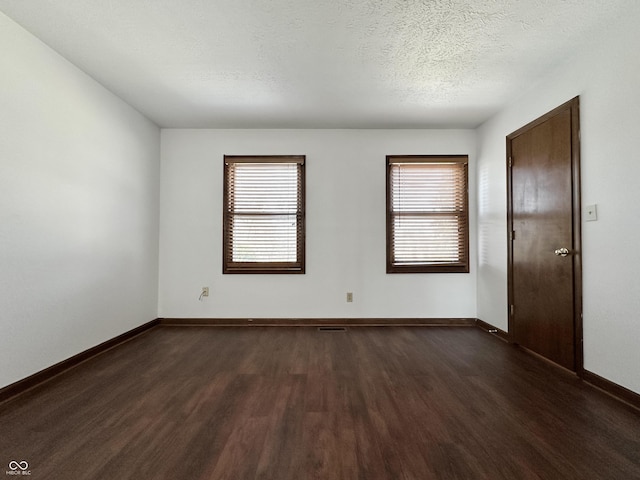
x,y
264,214
427,218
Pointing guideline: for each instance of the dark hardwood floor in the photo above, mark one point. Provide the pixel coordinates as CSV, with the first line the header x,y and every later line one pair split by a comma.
x,y
293,403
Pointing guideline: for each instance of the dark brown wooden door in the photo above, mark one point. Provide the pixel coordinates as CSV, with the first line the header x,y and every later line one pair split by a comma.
x,y
544,293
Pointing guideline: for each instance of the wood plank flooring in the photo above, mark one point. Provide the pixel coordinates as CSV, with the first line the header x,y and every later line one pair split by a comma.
x,y
293,403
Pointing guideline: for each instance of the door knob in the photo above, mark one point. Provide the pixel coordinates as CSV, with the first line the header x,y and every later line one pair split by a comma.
x,y
562,252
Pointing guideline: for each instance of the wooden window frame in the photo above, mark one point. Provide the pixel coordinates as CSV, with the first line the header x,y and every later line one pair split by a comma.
x,y
459,267
231,267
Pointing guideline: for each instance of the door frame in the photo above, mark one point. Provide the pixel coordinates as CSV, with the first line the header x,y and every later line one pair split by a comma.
x,y
574,106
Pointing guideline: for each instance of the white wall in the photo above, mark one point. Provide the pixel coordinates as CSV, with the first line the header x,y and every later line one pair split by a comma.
x,y
607,78
345,247
79,181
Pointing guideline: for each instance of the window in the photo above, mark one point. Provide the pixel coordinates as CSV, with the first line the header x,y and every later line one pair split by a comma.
x,y
263,214
427,214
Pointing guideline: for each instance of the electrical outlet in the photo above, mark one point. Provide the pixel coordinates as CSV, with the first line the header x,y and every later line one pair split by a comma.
x,y
349,297
205,291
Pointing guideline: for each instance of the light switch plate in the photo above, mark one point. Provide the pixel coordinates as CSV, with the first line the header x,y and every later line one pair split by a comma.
x,y
591,213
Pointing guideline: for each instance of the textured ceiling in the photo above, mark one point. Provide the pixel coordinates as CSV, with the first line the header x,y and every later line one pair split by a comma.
x,y
315,63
